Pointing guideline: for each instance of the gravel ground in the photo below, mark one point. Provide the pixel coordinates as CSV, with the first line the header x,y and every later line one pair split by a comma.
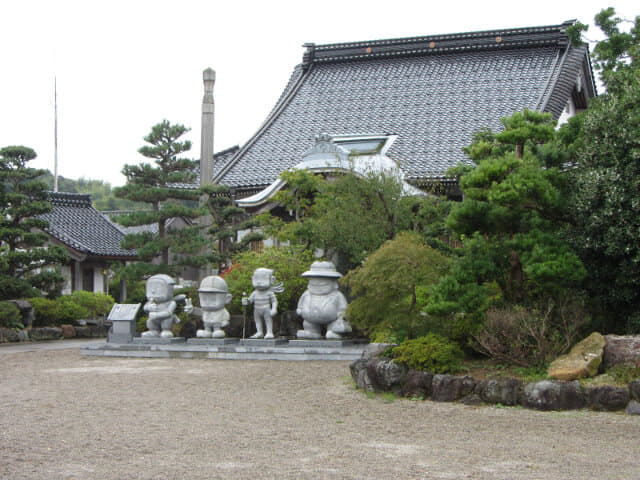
x,y
64,416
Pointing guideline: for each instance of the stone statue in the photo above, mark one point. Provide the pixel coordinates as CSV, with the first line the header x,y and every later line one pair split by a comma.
x,y
214,295
322,304
160,305
265,304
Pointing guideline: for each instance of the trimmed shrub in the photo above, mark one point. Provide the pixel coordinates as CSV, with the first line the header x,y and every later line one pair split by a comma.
x,y
431,353
96,304
45,311
10,315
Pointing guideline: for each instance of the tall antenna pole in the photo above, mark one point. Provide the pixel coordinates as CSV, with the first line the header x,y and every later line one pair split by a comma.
x,y
55,155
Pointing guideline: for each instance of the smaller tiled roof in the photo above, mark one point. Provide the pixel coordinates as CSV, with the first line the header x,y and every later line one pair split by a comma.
x,y
76,223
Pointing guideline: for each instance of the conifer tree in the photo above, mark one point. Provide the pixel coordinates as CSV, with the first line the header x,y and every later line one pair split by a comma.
x,y
25,263
163,186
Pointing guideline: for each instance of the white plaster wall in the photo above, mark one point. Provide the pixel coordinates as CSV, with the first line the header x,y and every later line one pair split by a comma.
x,y
65,270
98,280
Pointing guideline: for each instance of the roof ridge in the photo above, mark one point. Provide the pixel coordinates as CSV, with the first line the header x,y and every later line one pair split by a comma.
x,y
478,33
478,40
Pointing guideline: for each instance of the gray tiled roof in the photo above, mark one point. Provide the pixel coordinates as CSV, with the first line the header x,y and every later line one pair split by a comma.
x,y
76,223
433,92
220,158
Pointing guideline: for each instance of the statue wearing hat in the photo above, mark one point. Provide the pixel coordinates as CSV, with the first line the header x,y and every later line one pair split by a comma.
x,y
322,304
214,295
160,305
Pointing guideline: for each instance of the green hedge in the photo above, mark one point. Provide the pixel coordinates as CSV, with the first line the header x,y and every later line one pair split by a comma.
x,y
431,353
70,308
10,315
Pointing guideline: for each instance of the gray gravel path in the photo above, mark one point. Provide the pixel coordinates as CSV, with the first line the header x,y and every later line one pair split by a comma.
x,y
64,416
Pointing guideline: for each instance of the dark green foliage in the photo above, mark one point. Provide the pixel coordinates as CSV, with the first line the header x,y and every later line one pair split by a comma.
x,y
354,215
509,226
161,187
390,287
10,315
26,267
296,200
605,198
226,221
288,264
431,353
624,374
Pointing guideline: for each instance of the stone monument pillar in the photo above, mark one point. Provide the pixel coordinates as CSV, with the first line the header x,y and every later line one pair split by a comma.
x,y
206,134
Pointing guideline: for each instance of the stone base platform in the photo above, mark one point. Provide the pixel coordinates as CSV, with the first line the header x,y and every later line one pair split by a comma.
x,y
157,340
247,349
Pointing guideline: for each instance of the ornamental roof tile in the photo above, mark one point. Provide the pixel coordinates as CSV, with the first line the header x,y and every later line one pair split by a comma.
x,y
432,92
76,223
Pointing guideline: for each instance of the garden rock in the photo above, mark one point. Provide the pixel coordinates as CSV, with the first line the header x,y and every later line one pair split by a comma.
x,y
447,388
359,374
417,384
375,349
582,361
623,350
608,398
633,408
634,390
553,395
23,336
385,375
506,391
8,335
68,331
46,333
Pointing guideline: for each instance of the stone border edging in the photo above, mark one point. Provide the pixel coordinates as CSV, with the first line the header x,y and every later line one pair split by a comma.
x,y
36,334
381,374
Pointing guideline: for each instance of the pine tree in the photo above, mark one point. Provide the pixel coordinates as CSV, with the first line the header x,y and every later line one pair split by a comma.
x,y
164,186
25,262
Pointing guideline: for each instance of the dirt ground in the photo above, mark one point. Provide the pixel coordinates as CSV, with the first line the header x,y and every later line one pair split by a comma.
x,y
64,416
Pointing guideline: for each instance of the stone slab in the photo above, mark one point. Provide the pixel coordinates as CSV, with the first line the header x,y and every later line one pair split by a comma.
x,y
225,352
212,341
158,341
321,343
261,342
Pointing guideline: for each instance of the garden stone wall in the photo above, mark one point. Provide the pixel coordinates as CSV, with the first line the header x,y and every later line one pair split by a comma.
x,y
381,374
52,333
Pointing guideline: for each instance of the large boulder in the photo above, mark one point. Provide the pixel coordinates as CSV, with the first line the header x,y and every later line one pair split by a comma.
x,y
582,361
506,391
417,384
608,398
447,388
359,374
386,375
622,350
68,331
553,395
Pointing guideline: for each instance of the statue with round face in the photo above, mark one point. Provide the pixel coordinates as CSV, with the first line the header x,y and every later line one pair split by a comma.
x,y
160,306
214,295
322,306
263,298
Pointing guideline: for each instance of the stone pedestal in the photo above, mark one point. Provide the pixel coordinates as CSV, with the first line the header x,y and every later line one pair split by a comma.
x,y
158,340
261,342
212,341
321,343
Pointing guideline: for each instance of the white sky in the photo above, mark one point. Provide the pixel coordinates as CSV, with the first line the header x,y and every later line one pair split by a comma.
x,y
123,66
